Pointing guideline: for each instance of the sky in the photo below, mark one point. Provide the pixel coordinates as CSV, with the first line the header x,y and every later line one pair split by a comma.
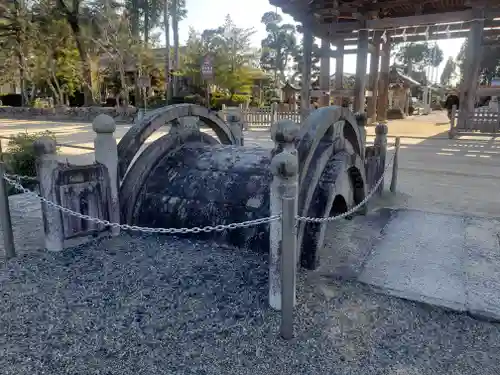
x,y
207,14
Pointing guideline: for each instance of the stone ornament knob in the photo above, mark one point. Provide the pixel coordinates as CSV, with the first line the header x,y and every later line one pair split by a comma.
x,y
285,165
285,131
45,145
104,124
381,129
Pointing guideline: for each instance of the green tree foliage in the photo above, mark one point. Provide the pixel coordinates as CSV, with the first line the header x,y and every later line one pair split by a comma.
x,y
448,72
232,55
420,55
490,63
298,59
278,47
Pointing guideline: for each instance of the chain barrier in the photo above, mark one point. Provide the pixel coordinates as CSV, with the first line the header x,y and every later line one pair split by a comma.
x,y
355,208
14,180
207,229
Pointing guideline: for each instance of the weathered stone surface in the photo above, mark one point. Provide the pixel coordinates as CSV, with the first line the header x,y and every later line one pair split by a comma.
x,y
120,114
203,185
451,261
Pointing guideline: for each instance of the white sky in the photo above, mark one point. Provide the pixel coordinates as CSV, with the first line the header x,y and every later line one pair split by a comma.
x,y
206,14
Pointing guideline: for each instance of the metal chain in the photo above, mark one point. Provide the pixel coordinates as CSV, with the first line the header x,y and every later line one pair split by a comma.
x,y
14,181
21,177
355,208
207,229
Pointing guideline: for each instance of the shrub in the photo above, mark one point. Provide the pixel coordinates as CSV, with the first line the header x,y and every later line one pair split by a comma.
x,y
20,155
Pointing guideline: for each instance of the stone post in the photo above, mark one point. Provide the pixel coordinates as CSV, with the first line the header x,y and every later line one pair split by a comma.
x,y
305,93
451,132
236,126
361,122
274,113
394,178
283,233
381,143
5,221
46,166
106,153
284,187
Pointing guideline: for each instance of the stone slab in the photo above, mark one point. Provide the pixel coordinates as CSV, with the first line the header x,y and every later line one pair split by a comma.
x,y
450,261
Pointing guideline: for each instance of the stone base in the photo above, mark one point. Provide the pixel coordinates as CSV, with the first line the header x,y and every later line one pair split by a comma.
x,y
444,260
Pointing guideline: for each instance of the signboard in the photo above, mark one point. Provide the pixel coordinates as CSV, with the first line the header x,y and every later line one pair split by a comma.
x,y
144,82
207,70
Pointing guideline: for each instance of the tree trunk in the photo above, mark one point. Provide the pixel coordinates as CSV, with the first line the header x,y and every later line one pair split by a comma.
x,y
146,22
175,30
166,21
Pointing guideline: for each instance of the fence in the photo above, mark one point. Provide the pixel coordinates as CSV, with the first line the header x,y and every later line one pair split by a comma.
x,y
263,116
60,186
482,120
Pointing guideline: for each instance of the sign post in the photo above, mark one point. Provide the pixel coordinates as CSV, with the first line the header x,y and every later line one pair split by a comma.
x,y
144,84
207,73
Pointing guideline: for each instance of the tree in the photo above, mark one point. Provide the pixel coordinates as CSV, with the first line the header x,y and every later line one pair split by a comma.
x,y
299,61
278,47
448,72
490,63
233,57
419,55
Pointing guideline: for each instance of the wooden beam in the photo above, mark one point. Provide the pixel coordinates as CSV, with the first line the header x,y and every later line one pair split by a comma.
x,y
324,73
339,74
425,19
383,81
373,84
361,64
421,38
307,43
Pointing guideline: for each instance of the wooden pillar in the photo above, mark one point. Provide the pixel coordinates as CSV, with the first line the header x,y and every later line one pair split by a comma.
x,y
361,62
471,76
306,74
374,67
324,72
339,71
383,83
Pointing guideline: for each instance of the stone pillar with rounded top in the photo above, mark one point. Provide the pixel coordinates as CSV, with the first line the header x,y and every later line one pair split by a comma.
x,y
46,165
236,125
380,142
106,153
283,200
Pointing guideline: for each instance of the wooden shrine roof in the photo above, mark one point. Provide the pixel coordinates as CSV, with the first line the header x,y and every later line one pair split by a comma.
x,y
424,19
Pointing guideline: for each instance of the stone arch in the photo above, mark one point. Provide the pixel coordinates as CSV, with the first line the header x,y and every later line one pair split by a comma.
x,y
339,205
140,170
133,140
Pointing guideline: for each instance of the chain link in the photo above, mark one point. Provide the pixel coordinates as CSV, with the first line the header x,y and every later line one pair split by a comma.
x,y
14,180
21,177
355,208
218,228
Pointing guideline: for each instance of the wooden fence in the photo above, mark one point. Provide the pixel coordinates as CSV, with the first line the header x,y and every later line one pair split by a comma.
x,y
482,120
262,116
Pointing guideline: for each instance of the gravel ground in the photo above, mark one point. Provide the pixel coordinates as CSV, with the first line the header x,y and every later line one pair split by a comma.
x,y
161,305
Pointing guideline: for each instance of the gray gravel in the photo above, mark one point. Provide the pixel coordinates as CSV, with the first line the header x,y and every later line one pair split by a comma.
x,y
151,305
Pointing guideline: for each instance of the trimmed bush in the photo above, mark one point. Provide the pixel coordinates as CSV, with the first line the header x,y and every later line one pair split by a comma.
x,y
20,154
